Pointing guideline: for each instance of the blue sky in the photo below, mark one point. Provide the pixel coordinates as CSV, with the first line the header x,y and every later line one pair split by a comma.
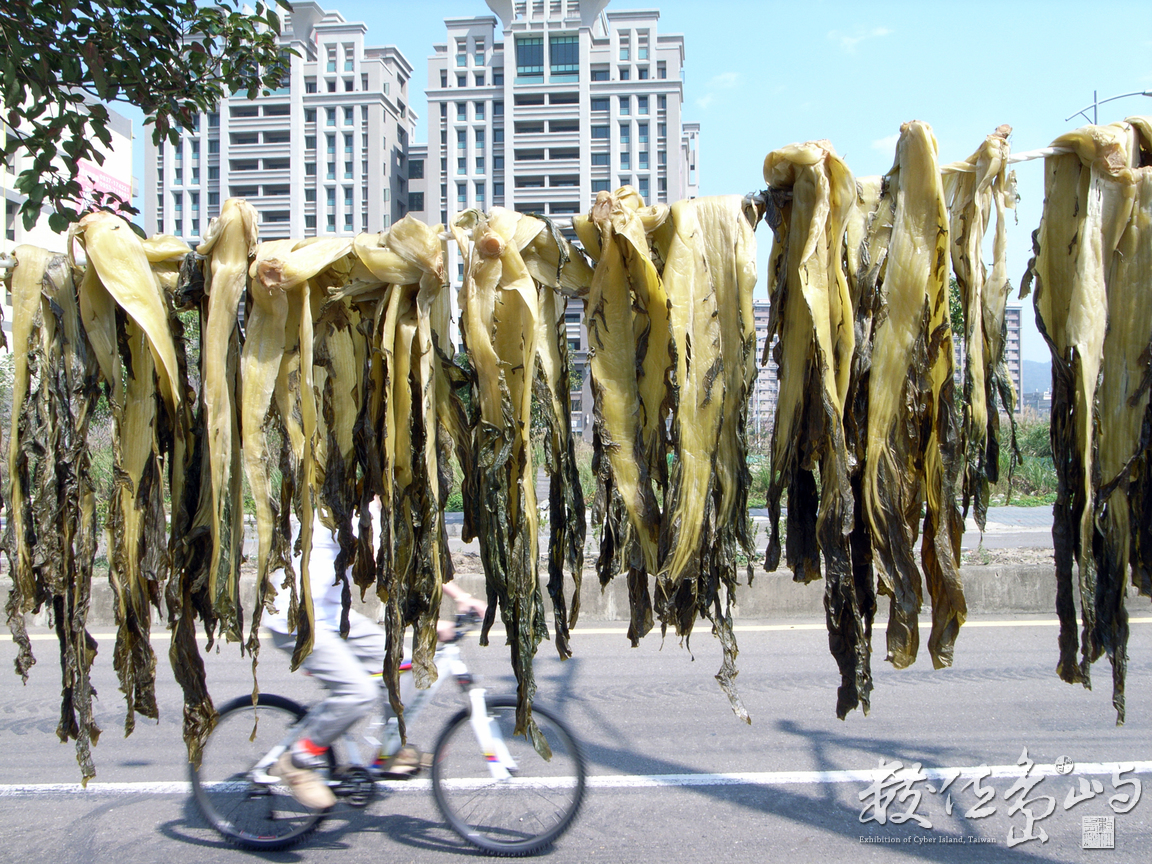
x,y
760,75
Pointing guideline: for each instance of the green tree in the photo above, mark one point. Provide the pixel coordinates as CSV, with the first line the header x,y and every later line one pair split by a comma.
x,y
61,59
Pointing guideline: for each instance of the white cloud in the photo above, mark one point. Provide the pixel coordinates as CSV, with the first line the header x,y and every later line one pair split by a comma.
x,y
725,80
705,101
886,144
849,41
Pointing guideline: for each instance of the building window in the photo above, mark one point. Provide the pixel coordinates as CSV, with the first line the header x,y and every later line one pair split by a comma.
x,y
661,70
310,220
461,80
662,157
498,136
625,160
625,45
348,85
600,132
416,201
625,106
564,54
643,158
443,165
479,79
644,188
600,104
331,85
497,109
599,185
625,180
462,194
331,223
348,196
600,74
347,145
347,170
364,82
309,194
213,199
479,164
179,227
625,133
462,165
601,158
478,54
213,120
330,196
461,139
331,175
331,58
213,146
498,190
195,148
309,115
498,162
478,110
642,133
625,73
662,130
443,77
349,115
479,139
309,142
309,85
349,58
444,110
662,103
331,116
642,104
643,72
179,179
195,175
530,56
416,170
480,194
213,172
461,52
331,144
461,110
498,76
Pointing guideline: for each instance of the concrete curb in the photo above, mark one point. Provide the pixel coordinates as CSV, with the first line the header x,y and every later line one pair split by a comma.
x,y
1029,589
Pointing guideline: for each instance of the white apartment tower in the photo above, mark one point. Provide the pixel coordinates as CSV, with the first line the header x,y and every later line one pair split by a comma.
x,y
325,154
553,103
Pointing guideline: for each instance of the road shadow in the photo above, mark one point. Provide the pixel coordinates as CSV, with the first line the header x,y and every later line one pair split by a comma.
x,y
824,810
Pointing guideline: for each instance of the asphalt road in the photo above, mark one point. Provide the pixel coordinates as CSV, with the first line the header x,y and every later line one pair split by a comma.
x,y
658,732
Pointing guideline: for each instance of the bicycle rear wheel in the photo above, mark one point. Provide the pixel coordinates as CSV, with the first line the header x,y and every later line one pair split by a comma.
x,y
257,815
519,815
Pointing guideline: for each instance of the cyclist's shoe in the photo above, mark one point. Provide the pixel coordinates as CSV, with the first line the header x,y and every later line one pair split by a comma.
x,y
297,766
404,763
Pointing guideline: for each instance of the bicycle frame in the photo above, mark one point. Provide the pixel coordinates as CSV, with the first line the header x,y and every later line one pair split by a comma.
x,y
383,736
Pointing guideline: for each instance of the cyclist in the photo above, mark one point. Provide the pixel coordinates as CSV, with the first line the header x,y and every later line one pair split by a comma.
x,y
347,667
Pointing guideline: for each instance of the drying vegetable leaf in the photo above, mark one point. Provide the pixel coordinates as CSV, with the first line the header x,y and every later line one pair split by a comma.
x,y
912,441
815,328
972,187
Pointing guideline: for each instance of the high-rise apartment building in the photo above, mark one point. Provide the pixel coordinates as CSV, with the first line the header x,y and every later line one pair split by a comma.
x,y
324,154
543,106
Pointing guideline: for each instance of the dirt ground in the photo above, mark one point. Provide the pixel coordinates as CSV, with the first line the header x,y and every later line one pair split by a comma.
x,y
1000,557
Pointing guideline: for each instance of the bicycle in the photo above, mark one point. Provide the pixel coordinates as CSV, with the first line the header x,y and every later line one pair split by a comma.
x,y
493,788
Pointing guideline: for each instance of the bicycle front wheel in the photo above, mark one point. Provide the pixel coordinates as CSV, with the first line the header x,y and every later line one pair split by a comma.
x,y
519,815
239,800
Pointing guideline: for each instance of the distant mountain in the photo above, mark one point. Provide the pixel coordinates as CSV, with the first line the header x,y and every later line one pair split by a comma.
x,y
1037,375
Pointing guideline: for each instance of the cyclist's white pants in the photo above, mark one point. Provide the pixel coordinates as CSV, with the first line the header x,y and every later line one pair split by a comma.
x,y
345,667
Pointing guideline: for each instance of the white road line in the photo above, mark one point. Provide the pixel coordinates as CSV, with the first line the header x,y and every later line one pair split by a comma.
x,y
739,628
627,781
